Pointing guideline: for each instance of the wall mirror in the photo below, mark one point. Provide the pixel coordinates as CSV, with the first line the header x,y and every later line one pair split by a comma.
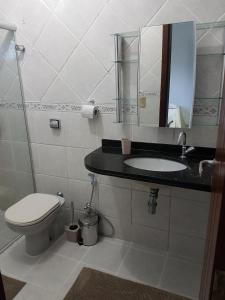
x,y
151,92
167,72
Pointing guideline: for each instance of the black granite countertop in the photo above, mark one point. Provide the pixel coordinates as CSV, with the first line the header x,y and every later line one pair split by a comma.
x,y
109,160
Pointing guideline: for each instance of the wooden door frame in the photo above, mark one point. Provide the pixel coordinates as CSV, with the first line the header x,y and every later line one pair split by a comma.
x,y
165,75
215,241
210,248
2,291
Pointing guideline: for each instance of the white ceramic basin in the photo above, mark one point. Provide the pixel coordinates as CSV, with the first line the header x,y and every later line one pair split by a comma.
x,y
155,164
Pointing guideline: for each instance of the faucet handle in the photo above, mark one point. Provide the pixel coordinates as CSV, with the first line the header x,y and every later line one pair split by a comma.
x,y
189,149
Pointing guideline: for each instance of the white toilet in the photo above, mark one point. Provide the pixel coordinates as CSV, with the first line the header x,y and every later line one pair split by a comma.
x,y
32,216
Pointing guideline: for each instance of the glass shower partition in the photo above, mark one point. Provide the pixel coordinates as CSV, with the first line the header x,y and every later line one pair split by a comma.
x,y
16,175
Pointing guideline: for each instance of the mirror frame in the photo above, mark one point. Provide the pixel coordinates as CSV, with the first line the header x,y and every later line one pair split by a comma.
x,y
165,75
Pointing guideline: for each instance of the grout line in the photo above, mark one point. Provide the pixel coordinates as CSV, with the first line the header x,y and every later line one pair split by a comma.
x,y
51,12
99,84
75,95
52,252
150,71
80,40
170,222
185,258
179,293
145,249
157,12
163,270
43,26
63,146
123,259
50,8
190,11
85,255
159,285
9,243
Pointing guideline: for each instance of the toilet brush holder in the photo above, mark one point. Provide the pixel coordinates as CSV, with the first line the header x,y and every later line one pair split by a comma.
x,y
72,232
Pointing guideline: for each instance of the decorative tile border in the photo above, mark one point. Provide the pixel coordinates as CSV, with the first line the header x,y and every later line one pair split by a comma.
x,y
12,106
65,107
205,111
106,108
53,107
206,107
201,108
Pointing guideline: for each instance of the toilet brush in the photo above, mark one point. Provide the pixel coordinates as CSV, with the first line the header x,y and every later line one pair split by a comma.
x,y
72,211
72,231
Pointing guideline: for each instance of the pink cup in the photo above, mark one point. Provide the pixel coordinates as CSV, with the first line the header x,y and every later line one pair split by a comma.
x,y
126,146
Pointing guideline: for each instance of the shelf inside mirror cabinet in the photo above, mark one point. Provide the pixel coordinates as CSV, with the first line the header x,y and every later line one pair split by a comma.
x,y
131,61
210,54
125,99
132,34
208,98
210,25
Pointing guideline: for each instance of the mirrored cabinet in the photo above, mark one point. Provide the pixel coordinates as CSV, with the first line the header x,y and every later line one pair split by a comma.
x,y
170,75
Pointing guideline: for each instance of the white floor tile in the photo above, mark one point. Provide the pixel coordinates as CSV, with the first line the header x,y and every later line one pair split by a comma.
x,y
142,266
182,277
106,255
2,222
33,292
68,284
4,240
15,262
157,239
187,247
68,249
115,240
143,247
6,234
51,275
51,272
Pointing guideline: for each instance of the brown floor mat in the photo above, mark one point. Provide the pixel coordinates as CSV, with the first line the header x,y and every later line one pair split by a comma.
x,y
96,285
219,286
12,287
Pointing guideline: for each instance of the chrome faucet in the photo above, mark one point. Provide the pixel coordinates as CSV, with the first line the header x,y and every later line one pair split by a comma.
x,y
182,141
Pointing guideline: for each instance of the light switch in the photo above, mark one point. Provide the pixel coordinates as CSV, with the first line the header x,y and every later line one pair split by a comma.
x,y
142,102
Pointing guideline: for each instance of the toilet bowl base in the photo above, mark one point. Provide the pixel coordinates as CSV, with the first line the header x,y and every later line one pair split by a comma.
x,y
37,243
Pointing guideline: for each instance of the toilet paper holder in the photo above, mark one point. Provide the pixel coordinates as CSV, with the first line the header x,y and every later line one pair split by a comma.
x,y
90,110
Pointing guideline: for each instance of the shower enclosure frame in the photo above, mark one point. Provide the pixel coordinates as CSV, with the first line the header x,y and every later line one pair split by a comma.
x,y
21,48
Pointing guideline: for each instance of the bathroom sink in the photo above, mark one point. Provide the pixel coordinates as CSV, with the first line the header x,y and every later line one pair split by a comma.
x,y
155,164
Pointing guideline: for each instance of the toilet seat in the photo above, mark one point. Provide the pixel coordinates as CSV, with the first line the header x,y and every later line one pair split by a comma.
x,y
32,209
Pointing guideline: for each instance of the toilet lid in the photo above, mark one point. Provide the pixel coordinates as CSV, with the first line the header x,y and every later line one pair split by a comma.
x,y
31,209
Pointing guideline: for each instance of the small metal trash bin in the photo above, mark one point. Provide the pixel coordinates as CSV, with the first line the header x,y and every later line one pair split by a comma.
x,y
89,228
